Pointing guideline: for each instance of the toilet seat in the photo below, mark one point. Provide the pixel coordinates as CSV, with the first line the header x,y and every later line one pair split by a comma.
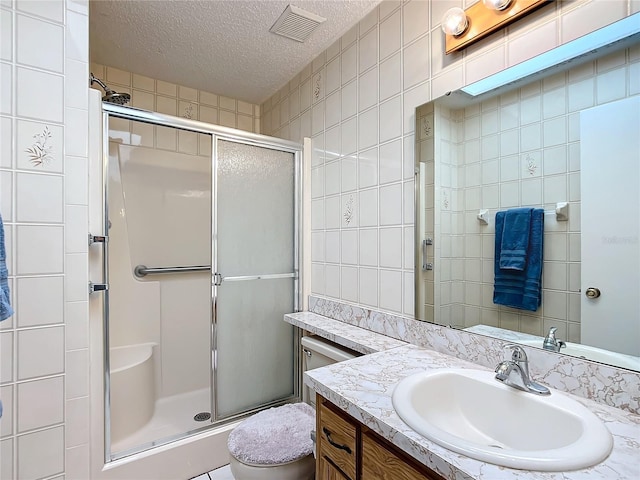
x,y
274,444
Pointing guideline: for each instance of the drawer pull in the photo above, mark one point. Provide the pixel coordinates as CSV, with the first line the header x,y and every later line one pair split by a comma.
x,y
327,433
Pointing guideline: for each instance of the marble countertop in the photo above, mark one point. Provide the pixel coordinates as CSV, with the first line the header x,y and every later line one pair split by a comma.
x,y
363,387
355,338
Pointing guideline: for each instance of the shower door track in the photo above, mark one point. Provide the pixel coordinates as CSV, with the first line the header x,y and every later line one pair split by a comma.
x,y
217,133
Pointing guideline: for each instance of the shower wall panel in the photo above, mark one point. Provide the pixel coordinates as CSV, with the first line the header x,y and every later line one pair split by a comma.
x,y
135,300
160,213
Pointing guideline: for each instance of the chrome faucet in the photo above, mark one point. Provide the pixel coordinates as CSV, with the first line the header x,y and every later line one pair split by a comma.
x,y
551,343
515,373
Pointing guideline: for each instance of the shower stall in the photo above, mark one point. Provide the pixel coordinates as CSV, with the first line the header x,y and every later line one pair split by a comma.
x,y
199,263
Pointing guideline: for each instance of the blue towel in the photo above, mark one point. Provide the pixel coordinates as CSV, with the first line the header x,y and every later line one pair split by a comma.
x,y
515,238
5,304
520,288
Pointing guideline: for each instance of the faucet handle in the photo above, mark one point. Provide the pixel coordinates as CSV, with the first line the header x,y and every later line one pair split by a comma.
x,y
518,355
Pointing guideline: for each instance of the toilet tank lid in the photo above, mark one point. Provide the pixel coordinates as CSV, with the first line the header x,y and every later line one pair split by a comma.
x,y
328,349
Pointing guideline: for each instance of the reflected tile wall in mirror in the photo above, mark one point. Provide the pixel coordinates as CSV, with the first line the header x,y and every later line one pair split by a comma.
x,y
438,74
521,148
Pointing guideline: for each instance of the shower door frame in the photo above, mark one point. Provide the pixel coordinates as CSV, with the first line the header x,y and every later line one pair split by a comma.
x,y
217,133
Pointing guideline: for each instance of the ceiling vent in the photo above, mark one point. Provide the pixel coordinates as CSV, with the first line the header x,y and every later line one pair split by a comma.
x,y
296,24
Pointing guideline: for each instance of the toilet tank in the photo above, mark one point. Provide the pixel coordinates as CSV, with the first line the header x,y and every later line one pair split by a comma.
x,y
318,352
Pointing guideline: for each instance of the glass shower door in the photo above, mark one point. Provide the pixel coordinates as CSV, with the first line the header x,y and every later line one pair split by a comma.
x,y
200,267
255,277
159,298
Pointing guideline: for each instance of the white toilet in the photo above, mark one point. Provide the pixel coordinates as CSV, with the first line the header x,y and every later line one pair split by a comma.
x,y
276,444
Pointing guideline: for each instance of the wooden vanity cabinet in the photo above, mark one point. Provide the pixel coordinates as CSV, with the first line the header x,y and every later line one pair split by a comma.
x,y
326,471
337,438
348,450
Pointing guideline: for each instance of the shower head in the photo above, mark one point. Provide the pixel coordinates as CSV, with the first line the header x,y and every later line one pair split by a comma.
x,y
109,95
115,97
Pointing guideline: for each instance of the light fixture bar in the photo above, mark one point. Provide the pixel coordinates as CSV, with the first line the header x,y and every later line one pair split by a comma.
x,y
615,32
484,21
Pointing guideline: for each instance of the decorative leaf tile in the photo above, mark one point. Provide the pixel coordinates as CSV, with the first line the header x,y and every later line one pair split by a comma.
x,y
188,111
445,200
317,87
348,210
40,146
426,127
531,165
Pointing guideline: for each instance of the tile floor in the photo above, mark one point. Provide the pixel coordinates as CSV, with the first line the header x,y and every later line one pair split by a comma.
x,y
222,473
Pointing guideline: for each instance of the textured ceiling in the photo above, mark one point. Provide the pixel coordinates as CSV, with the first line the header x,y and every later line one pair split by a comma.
x,y
220,46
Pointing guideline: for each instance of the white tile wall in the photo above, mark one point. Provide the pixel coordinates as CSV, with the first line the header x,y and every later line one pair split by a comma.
x,y
377,118
43,202
40,352
41,403
6,450
47,446
39,43
164,97
39,95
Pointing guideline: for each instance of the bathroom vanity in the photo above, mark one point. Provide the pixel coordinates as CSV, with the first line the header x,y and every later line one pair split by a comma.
x,y
348,450
357,394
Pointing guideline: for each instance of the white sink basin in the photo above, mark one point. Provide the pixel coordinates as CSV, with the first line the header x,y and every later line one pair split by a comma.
x,y
471,413
592,353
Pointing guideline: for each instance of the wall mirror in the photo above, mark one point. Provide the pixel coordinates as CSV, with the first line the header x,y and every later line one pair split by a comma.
x,y
565,139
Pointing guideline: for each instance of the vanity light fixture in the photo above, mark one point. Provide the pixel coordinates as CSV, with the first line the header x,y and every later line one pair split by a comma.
x,y
454,22
464,27
496,4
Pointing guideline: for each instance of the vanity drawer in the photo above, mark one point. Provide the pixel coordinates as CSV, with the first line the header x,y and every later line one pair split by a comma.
x,y
337,439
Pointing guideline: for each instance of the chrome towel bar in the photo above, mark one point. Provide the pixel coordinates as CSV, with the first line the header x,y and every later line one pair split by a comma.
x,y
273,276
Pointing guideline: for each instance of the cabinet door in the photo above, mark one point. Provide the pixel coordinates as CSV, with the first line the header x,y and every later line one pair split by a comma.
x,y
328,472
380,463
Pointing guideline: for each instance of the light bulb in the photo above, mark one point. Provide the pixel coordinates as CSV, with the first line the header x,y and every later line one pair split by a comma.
x,y
496,4
454,22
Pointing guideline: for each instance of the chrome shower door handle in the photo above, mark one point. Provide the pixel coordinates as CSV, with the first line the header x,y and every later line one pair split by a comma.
x,y
97,287
98,239
104,286
426,265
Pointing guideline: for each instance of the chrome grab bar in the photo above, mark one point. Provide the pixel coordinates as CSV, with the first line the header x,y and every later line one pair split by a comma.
x,y
142,270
